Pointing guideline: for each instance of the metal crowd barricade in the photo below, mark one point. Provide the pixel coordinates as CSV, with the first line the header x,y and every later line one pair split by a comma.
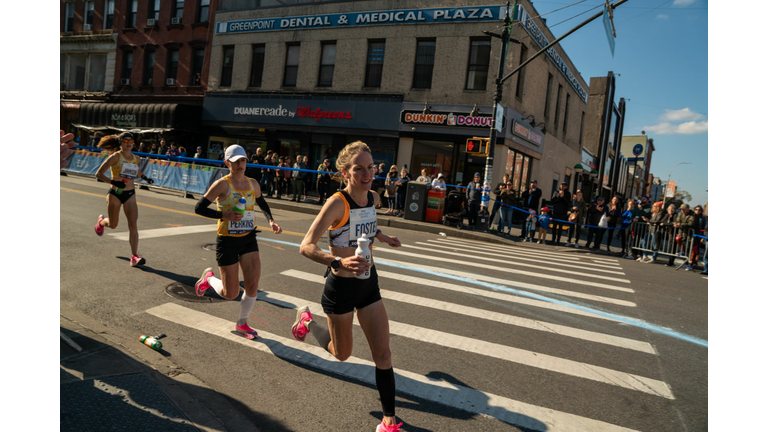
x,y
662,240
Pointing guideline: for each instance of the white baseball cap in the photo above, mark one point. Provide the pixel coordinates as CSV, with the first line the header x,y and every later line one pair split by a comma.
x,y
233,153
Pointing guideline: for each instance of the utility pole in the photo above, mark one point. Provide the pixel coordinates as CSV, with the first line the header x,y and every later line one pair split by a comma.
x,y
500,81
488,178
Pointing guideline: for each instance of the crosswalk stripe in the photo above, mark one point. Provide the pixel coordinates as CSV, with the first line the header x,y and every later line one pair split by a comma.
x,y
515,271
510,259
467,399
166,232
543,253
494,350
526,253
493,316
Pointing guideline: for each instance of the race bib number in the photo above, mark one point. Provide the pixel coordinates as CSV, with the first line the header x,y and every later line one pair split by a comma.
x,y
244,225
129,171
362,222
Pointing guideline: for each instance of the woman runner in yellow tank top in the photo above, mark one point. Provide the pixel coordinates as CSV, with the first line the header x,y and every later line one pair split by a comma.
x,y
236,245
124,168
349,215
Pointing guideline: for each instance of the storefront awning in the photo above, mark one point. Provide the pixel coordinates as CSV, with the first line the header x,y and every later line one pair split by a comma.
x,y
140,118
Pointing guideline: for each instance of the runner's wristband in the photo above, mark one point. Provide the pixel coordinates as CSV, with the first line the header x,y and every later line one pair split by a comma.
x,y
202,209
264,208
147,179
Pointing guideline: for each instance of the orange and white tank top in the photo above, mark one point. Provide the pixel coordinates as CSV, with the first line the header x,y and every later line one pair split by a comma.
x,y
245,225
125,168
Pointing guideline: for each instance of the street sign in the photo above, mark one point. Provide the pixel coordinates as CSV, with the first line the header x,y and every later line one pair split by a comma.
x,y
636,159
499,117
608,25
637,149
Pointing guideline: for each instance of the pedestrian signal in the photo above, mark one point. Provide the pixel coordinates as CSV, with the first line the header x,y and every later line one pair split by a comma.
x,y
477,146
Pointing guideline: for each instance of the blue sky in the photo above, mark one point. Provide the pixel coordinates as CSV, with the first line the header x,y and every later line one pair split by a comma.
x,y
661,56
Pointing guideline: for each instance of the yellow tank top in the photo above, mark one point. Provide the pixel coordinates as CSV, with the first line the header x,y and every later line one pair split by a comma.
x,y
248,222
125,168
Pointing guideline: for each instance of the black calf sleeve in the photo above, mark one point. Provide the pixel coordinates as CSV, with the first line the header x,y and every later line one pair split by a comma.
x,y
321,335
385,383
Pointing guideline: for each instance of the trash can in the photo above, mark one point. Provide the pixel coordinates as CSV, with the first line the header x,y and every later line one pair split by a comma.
x,y
415,200
483,219
435,205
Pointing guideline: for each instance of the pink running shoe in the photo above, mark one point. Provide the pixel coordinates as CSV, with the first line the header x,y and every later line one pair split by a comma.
x,y
384,428
300,327
137,261
98,228
246,331
202,284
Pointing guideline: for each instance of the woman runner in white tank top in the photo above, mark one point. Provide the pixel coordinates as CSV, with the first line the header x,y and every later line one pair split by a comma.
x,y
350,215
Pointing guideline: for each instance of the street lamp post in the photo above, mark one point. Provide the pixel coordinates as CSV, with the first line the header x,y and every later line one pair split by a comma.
x,y
664,201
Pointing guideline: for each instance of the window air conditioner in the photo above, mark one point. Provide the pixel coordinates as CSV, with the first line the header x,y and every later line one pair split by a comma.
x,y
175,20
86,27
151,22
170,81
125,81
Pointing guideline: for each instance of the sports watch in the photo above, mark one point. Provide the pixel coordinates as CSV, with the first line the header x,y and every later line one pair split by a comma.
x,y
336,263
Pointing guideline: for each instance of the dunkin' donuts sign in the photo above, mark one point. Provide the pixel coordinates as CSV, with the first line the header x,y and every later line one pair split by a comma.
x,y
445,119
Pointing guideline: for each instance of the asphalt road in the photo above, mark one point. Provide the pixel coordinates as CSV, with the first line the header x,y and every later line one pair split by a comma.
x,y
485,337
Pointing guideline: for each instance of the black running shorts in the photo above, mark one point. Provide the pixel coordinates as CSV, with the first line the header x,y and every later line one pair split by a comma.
x,y
345,294
124,195
229,249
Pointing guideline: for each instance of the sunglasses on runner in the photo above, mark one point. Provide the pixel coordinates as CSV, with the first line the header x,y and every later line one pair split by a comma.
x,y
128,140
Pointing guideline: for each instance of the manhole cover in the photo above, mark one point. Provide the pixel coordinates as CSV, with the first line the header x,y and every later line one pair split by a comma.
x,y
187,293
210,247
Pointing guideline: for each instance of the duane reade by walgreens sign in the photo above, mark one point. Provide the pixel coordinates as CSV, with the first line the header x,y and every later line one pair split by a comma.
x,y
264,111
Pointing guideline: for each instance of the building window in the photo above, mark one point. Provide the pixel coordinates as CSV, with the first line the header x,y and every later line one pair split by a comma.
x,y
565,115
154,10
257,65
521,74
76,72
127,65
131,18
291,66
557,104
327,62
69,16
202,11
63,72
97,72
198,59
149,67
88,15
479,59
227,66
549,93
173,64
109,14
375,64
177,9
425,62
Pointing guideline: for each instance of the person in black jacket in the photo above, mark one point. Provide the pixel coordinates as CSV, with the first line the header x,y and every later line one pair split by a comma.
x,y
531,199
561,202
594,214
615,208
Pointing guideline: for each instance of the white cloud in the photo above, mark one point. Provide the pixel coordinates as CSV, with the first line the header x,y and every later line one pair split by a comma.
x,y
662,16
687,128
683,2
680,115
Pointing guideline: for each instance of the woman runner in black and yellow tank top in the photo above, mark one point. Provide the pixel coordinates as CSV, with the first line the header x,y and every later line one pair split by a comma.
x,y
350,214
236,245
124,168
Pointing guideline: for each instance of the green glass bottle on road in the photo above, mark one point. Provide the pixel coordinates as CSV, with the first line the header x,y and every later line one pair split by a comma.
x,y
151,342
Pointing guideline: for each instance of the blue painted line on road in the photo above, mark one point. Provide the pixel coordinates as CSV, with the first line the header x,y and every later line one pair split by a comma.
x,y
626,320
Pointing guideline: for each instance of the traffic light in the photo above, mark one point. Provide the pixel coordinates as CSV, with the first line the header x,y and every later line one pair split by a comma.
x,y
477,146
